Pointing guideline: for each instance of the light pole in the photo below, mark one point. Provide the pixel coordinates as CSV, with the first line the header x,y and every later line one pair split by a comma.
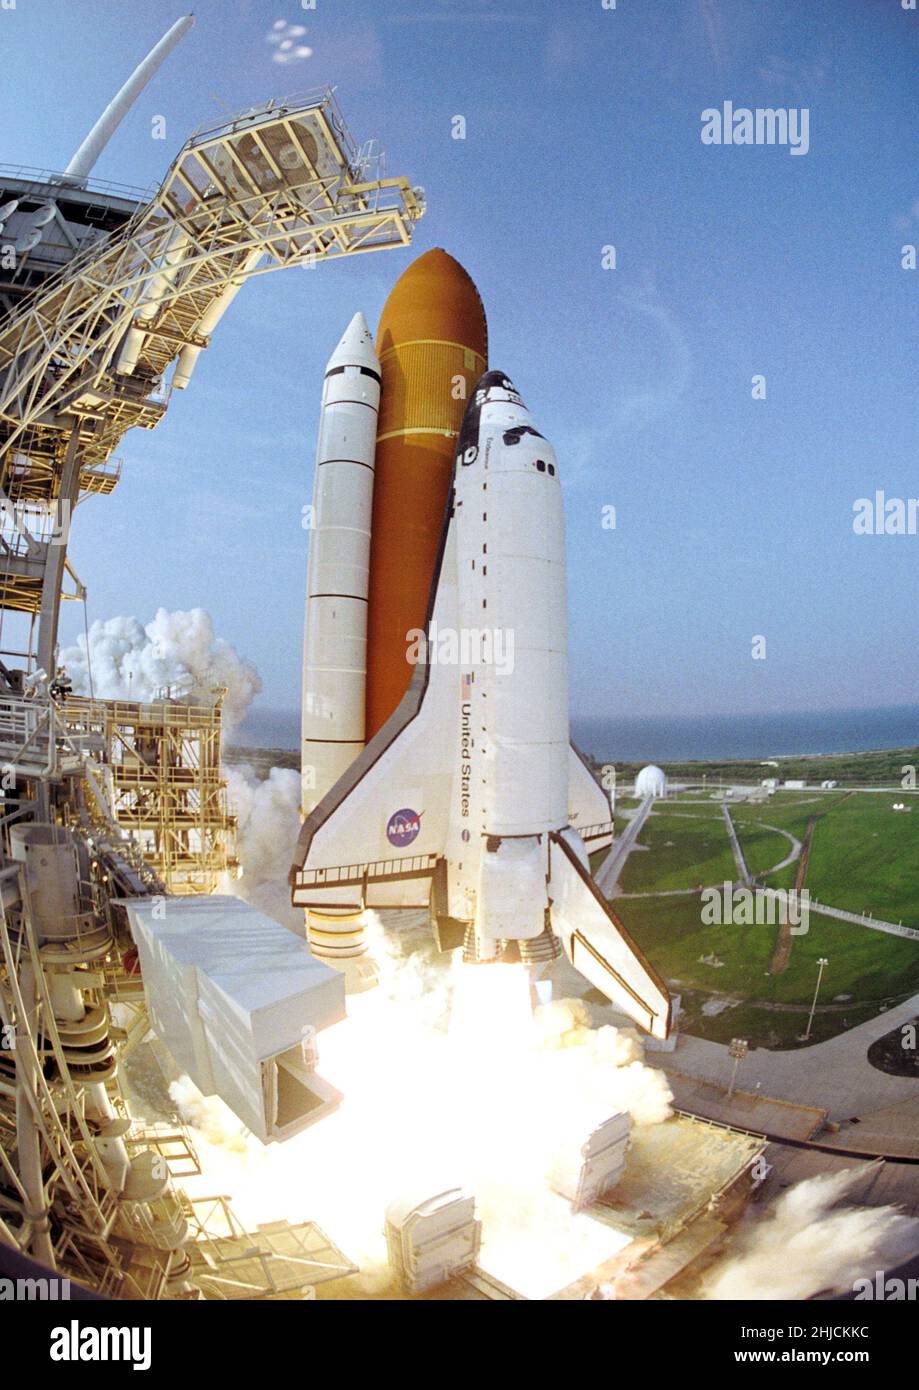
x,y
737,1050
822,961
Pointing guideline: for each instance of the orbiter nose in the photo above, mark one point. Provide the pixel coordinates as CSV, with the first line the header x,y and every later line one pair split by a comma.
x,y
498,386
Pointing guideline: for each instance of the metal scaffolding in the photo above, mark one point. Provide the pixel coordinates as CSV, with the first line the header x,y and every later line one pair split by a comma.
x,y
83,358
161,763
102,800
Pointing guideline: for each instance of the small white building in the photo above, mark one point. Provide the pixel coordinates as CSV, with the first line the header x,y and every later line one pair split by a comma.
x,y
651,781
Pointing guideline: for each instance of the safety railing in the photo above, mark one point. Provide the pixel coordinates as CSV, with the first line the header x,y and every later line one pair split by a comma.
x,y
595,832
28,732
63,183
413,866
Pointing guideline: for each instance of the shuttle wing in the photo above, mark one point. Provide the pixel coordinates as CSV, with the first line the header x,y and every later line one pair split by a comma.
x,y
598,945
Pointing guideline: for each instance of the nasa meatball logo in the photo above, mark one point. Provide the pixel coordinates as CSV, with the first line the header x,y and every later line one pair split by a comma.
x,y
403,827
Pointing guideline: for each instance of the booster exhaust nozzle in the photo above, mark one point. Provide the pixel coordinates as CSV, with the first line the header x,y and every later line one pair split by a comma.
x,y
534,950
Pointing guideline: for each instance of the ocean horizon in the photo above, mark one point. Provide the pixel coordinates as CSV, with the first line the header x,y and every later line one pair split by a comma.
x,y
678,738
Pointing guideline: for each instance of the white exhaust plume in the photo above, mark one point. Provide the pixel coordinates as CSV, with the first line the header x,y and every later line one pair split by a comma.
x,y
802,1246
178,652
448,1080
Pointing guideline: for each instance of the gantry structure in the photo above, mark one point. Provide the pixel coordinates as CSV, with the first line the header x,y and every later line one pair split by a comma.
x,y
107,299
163,784
88,353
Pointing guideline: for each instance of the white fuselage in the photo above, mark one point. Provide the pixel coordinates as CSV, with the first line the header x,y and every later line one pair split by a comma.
x,y
511,785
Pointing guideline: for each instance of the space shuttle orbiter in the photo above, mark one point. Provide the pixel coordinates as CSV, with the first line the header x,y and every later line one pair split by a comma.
x,y
470,798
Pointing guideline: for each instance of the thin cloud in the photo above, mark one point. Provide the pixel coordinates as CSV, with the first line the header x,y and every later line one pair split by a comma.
x,y
644,407
714,32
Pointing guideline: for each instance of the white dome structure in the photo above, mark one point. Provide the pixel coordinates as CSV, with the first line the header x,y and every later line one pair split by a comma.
x,y
651,781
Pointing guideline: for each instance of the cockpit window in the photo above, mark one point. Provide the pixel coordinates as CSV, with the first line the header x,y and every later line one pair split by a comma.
x,y
515,435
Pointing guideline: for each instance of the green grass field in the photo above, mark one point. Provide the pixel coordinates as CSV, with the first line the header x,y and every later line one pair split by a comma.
x,y
870,967
762,847
864,856
700,810
789,811
682,852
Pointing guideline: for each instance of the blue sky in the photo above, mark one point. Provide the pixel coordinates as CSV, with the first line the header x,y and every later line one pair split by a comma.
x,y
734,516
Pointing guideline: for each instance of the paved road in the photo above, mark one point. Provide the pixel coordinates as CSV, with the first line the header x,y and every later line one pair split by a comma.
x,y
834,1075
608,873
739,860
789,858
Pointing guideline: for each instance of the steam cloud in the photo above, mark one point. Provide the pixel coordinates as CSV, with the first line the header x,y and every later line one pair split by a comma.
x,y
448,1080
176,650
268,821
285,39
803,1245
180,652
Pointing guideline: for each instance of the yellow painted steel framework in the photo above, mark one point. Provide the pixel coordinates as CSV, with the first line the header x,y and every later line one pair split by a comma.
x,y
165,784
283,185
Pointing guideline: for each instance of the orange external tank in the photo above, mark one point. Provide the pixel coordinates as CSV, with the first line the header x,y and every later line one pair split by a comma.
x,y
432,343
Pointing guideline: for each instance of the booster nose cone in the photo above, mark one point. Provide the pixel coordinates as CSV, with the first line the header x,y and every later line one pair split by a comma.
x,y
356,348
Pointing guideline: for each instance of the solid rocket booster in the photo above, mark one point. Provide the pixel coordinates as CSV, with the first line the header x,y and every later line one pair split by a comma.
x,y
469,800
335,634
335,630
432,343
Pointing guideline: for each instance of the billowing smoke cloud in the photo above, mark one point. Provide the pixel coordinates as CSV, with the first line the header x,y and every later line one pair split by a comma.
x,y
180,652
803,1245
176,651
208,1114
268,813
